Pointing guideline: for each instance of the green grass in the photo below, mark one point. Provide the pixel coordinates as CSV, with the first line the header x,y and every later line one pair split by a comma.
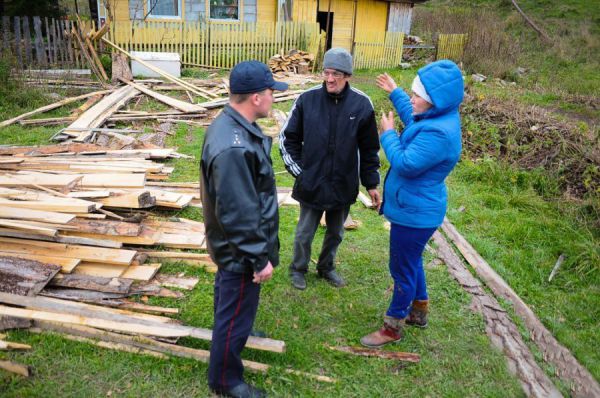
x,y
519,233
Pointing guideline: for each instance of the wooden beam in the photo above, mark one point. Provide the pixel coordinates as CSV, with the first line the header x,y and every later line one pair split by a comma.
x,y
77,281
568,368
172,102
14,367
52,106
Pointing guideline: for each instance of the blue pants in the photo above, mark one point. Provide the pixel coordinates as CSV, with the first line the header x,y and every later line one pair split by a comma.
x,y
406,267
235,305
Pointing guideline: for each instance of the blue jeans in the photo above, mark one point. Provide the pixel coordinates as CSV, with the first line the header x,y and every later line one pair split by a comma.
x,y
406,267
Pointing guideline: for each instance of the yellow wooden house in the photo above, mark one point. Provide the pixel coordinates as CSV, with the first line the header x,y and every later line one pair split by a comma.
x,y
357,25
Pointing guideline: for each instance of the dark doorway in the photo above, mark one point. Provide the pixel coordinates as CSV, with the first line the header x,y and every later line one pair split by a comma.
x,y
322,20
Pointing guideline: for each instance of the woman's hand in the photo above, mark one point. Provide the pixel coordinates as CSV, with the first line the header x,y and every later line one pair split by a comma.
x,y
387,122
386,83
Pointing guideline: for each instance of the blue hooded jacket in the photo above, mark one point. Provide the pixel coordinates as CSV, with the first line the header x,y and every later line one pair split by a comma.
x,y
425,153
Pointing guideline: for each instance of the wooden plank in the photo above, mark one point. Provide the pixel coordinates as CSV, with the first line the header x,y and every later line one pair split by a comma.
x,y
78,281
14,367
93,254
50,206
95,58
24,277
21,225
133,200
369,352
35,215
67,264
172,102
97,114
100,270
141,272
55,105
107,227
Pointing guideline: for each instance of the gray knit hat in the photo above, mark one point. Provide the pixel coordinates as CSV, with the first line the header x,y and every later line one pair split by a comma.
x,y
338,59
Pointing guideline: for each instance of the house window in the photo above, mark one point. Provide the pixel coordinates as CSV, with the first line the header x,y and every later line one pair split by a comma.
x,y
164,8
224,9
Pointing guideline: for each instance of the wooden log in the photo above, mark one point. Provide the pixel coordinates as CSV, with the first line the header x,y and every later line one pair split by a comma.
x,y
14,367
24,277
568,368
499,327
109,285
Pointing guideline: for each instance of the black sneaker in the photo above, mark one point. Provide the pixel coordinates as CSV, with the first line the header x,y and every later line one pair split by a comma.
x,y
243,390
333,278
298,280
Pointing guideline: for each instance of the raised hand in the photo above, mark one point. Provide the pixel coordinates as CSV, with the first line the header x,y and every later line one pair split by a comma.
x,y
387,122
386,83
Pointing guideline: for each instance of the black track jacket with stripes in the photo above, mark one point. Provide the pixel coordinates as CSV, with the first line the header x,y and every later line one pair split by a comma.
x,y
326,143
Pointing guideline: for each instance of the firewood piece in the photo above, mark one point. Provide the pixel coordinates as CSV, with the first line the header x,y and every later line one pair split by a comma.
x,y
14,367
24,277
369,352
178,282
108,285
120,68
9,345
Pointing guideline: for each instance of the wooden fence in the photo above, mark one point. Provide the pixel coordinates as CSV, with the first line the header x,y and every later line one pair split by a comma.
x,y
217,44
44,43
451,46
378,49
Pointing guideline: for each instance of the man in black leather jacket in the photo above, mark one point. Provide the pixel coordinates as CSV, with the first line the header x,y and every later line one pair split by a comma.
x,y
239,202
328,141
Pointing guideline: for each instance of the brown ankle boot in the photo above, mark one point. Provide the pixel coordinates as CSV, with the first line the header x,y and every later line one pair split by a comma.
x,y
391,331
418,314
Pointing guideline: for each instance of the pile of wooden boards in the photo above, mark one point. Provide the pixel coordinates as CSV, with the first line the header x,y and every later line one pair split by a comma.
x,y
294,61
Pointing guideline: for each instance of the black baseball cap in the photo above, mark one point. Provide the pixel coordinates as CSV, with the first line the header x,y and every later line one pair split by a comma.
x,y
253,77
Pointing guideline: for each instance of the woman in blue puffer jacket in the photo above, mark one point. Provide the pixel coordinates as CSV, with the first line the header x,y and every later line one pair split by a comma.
x,y
415,195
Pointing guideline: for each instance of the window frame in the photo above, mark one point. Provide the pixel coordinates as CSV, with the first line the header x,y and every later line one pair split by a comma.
x,y
239,15
170,17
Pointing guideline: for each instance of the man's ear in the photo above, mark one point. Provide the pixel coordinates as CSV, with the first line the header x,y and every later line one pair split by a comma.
x,y
255,99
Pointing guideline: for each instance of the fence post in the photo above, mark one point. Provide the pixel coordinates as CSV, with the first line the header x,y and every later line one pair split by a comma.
x,y
18,42
6,35
40,52
27,37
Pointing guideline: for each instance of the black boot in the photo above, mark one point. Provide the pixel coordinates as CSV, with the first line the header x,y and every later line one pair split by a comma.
x,y
332,277
243,390
298,280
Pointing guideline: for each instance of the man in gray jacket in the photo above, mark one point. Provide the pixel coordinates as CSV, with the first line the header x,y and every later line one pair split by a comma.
x,y
239,202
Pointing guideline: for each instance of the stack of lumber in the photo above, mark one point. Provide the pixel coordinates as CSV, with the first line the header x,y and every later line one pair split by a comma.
x,y
294,61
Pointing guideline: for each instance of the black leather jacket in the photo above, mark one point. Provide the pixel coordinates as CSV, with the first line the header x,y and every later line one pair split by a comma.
x,y
239,198
326,143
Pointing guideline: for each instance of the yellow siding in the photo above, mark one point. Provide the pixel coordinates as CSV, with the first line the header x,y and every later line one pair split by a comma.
x,y
120,9
266,11
304,10
371,16
343,16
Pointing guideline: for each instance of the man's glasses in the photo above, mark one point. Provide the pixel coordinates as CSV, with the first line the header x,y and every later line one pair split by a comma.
x,y
335,74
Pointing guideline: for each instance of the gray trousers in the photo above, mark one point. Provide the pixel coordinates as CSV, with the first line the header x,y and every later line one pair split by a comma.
x,y
305,233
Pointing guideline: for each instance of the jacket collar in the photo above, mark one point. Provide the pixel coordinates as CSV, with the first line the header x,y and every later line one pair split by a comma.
x,y
339,96
251,127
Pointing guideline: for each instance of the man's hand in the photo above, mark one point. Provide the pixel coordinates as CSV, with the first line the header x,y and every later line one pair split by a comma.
x,y
375,198
263,275
386,82
387,122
